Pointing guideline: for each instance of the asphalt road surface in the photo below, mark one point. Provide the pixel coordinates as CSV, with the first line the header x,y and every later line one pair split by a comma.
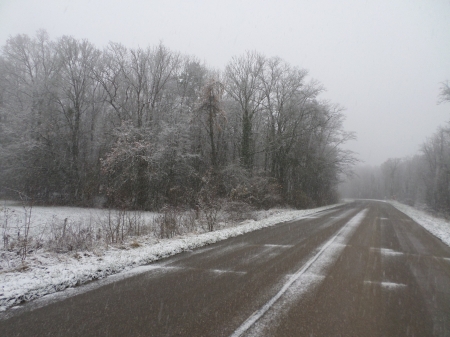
x,y
364,269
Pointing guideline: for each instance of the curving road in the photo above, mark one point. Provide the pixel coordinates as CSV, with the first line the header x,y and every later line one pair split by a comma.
x,y
364,269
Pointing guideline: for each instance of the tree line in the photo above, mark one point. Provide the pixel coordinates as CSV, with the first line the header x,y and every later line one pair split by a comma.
x,y
146,127
422,180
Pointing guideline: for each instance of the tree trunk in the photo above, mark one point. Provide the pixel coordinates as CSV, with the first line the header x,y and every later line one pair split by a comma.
x,y
246,155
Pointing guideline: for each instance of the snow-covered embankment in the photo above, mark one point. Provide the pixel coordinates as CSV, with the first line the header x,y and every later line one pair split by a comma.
x,y
437,226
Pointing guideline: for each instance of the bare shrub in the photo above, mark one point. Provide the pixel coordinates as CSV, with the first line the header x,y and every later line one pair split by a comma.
x,y
22,228
188,221
167,225
237,210
120,224
69,236
7,216
135,223
209,212
135,244
260,191
16,232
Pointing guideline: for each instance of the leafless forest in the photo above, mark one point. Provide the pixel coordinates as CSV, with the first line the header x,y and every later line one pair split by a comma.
x,y
147,127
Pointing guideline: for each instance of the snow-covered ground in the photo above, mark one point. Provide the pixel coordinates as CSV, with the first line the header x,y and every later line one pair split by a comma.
x,y
437,226
42,218
46,272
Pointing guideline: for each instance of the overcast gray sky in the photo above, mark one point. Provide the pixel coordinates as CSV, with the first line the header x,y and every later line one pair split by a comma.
x,y
383,60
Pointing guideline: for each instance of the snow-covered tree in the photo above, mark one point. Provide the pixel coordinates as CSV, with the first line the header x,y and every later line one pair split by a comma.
x,y
149,126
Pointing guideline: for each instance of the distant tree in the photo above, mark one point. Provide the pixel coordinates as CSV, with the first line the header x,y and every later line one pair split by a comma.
x,y
27,80
444,96
390,170
365,183
437,170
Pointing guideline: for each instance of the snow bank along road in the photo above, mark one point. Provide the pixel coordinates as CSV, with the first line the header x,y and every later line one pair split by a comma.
x,y
362,269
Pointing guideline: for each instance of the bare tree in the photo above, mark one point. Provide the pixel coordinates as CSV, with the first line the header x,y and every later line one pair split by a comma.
x,y
75,101
390,172
444,96
243,84
148,127
27,77
211,107
437,176
284,108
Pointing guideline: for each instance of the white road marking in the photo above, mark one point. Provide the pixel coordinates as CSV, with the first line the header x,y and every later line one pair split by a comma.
x,y
356,220
279,246
222,271
392,285
387,251
388,285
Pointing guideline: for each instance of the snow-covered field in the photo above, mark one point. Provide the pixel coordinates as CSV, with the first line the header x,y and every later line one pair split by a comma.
x,y
42,219
46,272
437,226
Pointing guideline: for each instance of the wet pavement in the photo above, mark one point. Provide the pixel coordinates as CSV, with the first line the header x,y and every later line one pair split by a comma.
x,y
364,269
